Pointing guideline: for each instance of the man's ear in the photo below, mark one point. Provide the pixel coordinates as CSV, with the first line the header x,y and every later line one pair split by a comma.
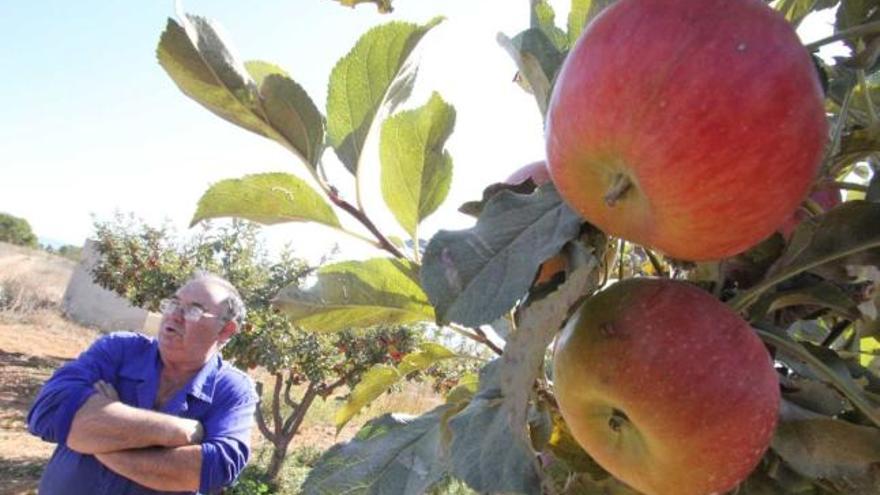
x,y
228,330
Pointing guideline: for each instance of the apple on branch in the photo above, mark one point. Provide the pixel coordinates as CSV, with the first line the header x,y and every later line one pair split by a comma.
x,y
666,387
695,127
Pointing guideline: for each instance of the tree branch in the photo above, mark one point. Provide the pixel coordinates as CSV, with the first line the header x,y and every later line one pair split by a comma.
x,y
276,405
835,332
855,31
359,215
477,336
261,420
291,425
287,399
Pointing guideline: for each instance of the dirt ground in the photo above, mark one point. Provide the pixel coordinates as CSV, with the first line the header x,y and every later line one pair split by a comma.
x,y
29,353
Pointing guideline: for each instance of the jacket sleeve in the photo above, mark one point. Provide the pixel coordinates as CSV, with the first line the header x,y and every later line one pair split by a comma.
x,y
69,387
226,446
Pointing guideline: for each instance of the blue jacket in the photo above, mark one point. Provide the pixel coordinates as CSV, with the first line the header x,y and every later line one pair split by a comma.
x,y
220,396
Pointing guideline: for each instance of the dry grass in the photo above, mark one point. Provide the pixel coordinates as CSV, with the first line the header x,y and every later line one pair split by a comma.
x,y
31,281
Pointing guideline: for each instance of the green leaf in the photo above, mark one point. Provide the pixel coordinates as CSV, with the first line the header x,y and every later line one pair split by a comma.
x,y
205,69
531,72
259,70
840,235
486,452
475,208
476,275
416,170
842,454
383,6
265,198
581,13
429,354
392,454
523,358
539,45
358,294
378,379
814,395
290,110
544,19
376,72
823,294
843,383
199,62
465,390
293,114
795,10
853,13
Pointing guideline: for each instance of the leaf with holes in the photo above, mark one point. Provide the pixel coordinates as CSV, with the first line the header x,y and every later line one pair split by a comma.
x,y
475,276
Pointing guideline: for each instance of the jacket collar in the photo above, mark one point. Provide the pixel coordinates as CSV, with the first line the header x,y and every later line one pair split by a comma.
x,y
147,365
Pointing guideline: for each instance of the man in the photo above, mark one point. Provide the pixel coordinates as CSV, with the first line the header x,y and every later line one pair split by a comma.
x,y
137,415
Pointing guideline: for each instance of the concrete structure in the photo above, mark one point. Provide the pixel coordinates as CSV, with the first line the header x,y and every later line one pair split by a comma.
x,y
90,304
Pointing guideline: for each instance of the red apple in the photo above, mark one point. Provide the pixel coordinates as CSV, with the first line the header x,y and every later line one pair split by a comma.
x,y
827,196
536,171
666,387
691,126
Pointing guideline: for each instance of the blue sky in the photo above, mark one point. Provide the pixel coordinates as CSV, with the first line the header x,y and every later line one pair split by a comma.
x,y
91,124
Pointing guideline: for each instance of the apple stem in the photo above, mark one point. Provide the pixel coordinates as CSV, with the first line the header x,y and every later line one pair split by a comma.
x,y
620,184
617,419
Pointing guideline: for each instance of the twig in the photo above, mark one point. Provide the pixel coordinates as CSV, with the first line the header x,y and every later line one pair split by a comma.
x,y
850,186
359,215
853,32
477,336
835,332
656,263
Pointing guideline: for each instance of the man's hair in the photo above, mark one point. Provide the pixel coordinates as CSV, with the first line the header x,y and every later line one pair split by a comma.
x,y
235,308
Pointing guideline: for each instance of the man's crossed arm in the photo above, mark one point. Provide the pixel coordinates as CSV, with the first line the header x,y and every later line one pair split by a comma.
x,y
156,450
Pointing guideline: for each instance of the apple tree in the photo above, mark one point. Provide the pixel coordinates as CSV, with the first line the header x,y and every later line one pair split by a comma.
x,y
803,300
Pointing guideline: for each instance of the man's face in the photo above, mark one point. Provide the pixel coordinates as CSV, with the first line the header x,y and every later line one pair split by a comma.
x,y
188,343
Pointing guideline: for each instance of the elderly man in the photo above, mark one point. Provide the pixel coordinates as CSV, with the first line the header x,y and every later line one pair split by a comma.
x,y
137,415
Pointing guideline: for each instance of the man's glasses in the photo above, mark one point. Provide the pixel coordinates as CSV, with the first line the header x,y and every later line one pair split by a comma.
x,y
191,313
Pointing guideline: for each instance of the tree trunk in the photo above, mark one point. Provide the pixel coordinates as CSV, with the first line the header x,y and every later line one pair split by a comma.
x,y
279,454
284,433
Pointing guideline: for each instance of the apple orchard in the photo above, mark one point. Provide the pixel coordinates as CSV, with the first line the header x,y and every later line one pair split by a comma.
x,y
685,288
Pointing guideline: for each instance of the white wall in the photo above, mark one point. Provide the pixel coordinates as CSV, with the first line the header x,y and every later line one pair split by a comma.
x,y
89,304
